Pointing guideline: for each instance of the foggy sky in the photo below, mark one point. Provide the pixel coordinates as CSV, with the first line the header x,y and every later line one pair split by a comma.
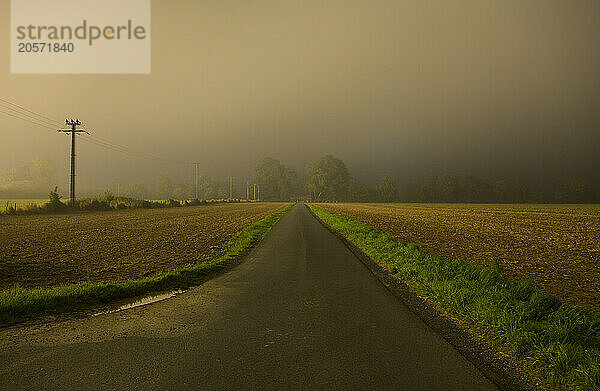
x,y
401,88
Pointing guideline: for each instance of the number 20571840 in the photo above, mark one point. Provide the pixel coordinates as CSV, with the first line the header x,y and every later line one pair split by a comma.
x,y
43,47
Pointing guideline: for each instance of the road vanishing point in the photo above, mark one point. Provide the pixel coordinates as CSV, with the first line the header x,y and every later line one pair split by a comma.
x,y
301,311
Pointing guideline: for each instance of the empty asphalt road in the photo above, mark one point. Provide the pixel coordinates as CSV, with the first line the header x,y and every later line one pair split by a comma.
x,y
300,312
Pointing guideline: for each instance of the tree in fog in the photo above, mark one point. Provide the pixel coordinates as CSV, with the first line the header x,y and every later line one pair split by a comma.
x,y
387,191
139,191
428,190
276,181
509,192
122,188
36,179
164,188
327,179
167,189
359,192
476,190
206,188
43,173
449,188
183,191
409,192
576,191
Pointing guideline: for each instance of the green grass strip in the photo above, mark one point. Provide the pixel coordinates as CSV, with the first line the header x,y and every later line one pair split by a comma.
x,y
18,304
558,342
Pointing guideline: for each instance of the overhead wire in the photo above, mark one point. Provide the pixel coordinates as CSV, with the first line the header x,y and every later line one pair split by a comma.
x,y
27,110
49,123
44,125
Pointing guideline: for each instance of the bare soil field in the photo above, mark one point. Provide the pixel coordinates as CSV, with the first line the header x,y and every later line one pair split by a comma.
x,y
588,209
558,251
50,250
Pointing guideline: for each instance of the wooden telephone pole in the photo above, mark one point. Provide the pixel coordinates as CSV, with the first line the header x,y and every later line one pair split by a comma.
x,y
73,130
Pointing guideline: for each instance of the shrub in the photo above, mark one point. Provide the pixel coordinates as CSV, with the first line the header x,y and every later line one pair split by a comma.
x,y
108,197
55,204
96,205
173,203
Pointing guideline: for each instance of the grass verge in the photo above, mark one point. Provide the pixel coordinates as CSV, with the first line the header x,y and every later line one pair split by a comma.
x,y
552,340
18,304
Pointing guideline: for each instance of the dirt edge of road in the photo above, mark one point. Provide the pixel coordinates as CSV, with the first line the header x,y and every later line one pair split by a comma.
x,y
497,367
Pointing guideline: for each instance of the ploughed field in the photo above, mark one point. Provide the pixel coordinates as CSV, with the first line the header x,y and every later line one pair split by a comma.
x,y
556,247
50,250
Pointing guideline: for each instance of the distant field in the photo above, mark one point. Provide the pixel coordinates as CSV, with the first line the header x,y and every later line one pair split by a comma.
x,y
48,250
557,247
4,203
540,208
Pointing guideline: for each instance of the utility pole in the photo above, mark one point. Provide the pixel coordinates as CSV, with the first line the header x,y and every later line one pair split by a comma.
x,y
230,185
247,191
254,195
258,192
196,188
73,130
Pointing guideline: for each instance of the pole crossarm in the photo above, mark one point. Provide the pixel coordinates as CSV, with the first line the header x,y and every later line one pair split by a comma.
x,y
71,130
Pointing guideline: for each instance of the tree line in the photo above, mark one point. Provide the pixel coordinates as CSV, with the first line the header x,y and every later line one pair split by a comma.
x,y
208,189
447,188
328,179
325,179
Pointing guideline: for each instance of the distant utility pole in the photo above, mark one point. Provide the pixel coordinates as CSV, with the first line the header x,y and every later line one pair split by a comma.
x,y
73,130
230,187
256,188
197,169
247,191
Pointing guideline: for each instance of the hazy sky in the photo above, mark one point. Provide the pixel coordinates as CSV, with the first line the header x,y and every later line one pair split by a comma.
x,y
406,88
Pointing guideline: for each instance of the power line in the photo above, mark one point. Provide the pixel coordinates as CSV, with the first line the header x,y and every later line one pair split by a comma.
x,y
30,111
46,122
104,144
28,120
49,123
129,152
138,153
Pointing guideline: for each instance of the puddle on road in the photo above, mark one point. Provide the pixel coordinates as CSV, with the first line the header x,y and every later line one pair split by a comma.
x,y
140,302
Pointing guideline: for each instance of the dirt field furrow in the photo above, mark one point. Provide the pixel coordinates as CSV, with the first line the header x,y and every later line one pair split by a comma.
x,y
49,250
